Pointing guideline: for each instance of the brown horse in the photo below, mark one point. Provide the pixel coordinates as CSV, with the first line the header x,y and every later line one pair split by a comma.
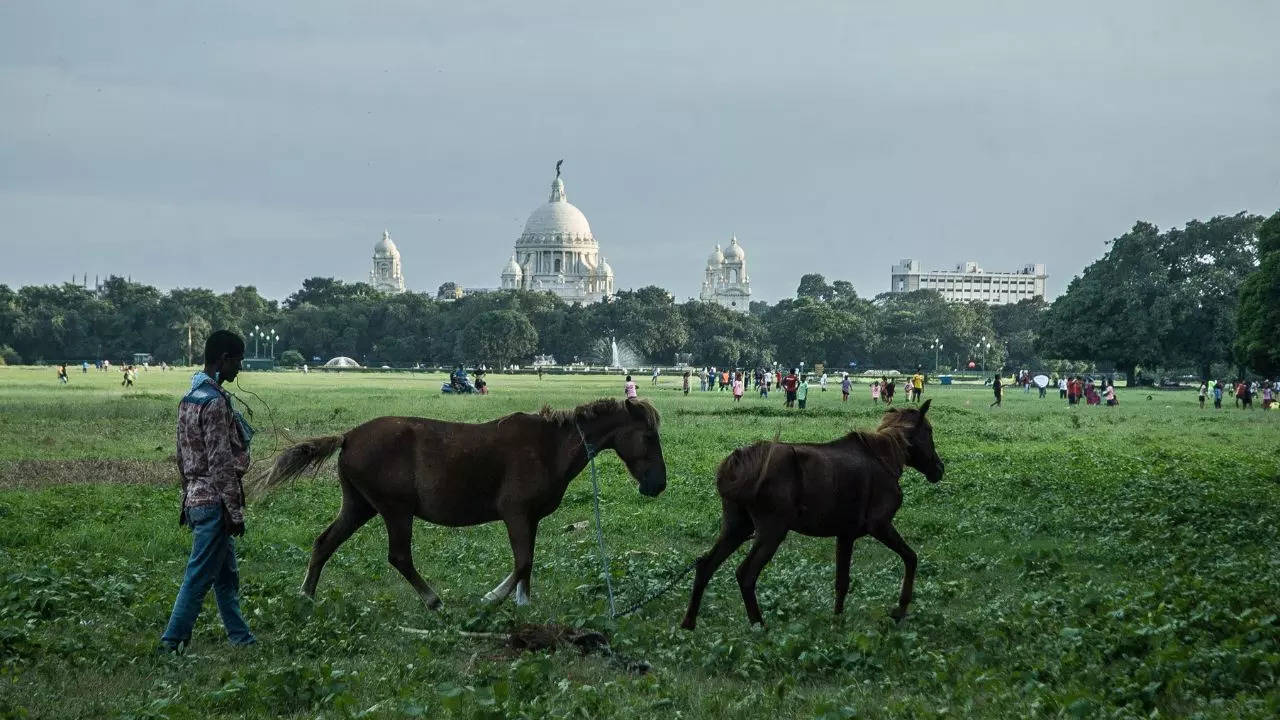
x,y
843,489
515,469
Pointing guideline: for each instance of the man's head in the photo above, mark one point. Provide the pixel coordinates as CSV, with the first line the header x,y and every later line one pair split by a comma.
x,y
223,352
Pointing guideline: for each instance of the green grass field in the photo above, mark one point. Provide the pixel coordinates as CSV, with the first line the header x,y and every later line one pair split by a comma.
x,y
1075,562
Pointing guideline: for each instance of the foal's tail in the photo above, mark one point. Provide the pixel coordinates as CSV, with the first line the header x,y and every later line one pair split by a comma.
x,y
307,455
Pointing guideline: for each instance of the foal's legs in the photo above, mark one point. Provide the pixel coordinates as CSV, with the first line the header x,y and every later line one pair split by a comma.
x,y
735,531
892,540
844,556
355,512
400,554
767,541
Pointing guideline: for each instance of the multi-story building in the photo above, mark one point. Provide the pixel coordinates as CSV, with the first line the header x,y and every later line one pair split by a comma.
x,y
969,282
726,281
557,253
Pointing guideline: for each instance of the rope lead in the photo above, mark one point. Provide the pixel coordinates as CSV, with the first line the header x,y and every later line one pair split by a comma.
x,y
595,487
604,552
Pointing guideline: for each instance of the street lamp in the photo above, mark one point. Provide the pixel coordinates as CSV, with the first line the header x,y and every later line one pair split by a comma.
x,y
256,335
983,346
273,337
937,348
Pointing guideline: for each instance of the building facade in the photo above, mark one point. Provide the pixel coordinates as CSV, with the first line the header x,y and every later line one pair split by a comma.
x,y
969,282
385,275
725,281
557,253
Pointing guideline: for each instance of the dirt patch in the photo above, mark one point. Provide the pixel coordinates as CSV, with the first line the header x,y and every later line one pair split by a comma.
x,y
37,474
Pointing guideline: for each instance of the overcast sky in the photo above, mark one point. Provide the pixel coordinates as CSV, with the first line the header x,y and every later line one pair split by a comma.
x,y
217,144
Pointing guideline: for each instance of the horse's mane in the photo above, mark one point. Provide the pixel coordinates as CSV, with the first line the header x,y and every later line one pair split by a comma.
x,y
889,440
600,408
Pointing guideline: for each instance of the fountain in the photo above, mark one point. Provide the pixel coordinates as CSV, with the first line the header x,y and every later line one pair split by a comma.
x,y
618,355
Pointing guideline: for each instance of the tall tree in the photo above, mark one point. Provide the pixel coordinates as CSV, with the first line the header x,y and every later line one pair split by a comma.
x,y
646,319
810,331
1118,309
910,323
323,292
814,286
1257,343
1156,299
1017,326
499,337
725,338
1208,262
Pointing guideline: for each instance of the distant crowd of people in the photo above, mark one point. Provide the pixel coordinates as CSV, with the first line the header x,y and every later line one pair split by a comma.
x,y
794,384
129,371
1244,392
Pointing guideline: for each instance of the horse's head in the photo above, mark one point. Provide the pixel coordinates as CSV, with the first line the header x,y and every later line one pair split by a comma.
x,y
921,454
636,441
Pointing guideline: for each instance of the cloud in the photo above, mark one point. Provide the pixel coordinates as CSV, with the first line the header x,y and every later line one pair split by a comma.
x,y
830,138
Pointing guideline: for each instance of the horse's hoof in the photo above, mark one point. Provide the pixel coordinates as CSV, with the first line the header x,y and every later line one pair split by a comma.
x,y
688,624
435,604
898,614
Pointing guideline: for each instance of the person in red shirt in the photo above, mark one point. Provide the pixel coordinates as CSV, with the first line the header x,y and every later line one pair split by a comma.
x,y
789,385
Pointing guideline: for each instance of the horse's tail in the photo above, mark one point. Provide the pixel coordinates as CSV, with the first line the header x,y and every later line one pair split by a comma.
x,y
307,455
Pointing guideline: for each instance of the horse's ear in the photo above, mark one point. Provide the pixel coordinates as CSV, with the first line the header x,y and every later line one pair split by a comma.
x,y
925,407
641,410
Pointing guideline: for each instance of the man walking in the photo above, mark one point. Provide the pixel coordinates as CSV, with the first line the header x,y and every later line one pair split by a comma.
x,y
917,385
213,455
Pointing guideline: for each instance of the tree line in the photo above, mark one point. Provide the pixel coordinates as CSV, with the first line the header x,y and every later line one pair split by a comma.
x,y
1157,300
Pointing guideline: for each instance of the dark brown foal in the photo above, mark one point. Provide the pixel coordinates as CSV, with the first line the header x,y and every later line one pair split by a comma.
x,y
515,469
843,489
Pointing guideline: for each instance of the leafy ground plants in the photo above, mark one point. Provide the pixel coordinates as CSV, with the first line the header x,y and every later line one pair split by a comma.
x,y
1075,562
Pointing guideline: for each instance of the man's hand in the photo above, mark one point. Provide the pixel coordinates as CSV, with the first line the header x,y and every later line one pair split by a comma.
x,y
237,529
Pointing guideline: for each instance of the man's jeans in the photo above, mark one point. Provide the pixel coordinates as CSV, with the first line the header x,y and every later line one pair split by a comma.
x,y
212,562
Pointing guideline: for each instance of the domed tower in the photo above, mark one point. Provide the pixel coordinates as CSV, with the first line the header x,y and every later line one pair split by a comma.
x,y
386,275
726,281
511,275
557,253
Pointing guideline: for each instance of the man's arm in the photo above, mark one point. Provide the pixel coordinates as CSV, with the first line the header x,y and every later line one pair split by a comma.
x,y
216,425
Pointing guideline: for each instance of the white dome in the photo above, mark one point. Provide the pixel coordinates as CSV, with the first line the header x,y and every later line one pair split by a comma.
x,y
604,268
512,268
716,258
385,248
557,217
735,251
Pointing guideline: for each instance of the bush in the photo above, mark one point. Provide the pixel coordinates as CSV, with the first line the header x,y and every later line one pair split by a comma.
x,y
291,358
9,356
